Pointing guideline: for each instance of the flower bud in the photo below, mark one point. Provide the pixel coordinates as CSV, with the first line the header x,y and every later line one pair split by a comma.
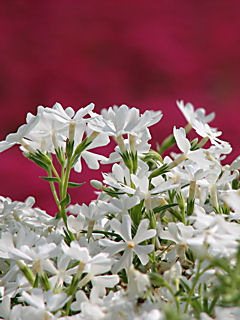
x,y
96,184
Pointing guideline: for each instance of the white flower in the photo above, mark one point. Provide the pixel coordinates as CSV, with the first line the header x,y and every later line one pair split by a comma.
x,y
184,145
98,291
121,205
134,144
192,115
20,136
232,198
49,133
178,233
235,165
71,125
117,121
93,212
61,273
138,283
154,314
151,196
214,236
205,131
129,245
14,215
96,265
138,184
45,300
38,256
92,312
91,158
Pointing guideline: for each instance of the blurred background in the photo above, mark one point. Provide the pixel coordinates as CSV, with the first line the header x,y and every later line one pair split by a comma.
x,y
142,53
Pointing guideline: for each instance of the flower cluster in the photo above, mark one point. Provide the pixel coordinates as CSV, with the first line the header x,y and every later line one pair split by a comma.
x,y
157,243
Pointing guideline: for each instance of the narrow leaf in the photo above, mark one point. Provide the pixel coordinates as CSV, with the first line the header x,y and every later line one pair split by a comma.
x,y
50,179
65,201
163,208
74,184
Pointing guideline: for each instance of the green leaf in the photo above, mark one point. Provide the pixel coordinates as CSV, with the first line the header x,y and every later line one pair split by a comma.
x,y
46,158
153,155
74,184
60,156
65,201
134,161
136,213
186,286
68,236
58,216
112,192
163,208
69,148
166,144
35,285
38,162
82,146
159,171
50,179
127,160
190,207
157,280
194,145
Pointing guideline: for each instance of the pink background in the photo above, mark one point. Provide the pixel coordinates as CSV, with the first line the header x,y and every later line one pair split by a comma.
x,y
142,53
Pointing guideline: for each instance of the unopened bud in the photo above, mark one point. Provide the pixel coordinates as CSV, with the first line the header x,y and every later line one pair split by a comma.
x,y
96,184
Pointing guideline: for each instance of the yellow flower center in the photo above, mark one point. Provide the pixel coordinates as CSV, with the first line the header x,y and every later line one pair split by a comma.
x,y
130,244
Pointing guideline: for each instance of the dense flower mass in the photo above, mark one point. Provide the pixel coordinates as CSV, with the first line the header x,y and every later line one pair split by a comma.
x,y
161,241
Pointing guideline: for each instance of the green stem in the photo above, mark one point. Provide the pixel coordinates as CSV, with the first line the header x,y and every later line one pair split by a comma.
x,y
54,192
106,233
61,183
55,171
74,286
195,281
26,271
66,178
174,297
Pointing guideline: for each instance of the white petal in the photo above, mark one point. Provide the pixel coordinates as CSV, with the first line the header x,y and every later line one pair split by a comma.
x,y
108,281
126,228
124,262
92,159
35,298
56,301
142,252
111,246
142,232
181,140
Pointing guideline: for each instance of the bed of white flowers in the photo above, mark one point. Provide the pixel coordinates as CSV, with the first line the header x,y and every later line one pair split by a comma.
x,y
161,242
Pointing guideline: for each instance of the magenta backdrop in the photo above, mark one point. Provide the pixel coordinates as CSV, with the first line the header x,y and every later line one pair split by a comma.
x,y
142,53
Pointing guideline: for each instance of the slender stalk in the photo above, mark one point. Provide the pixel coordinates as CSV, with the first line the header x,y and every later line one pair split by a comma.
x,y
195,281
74,285
174,297
54,171
66,178
54,192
